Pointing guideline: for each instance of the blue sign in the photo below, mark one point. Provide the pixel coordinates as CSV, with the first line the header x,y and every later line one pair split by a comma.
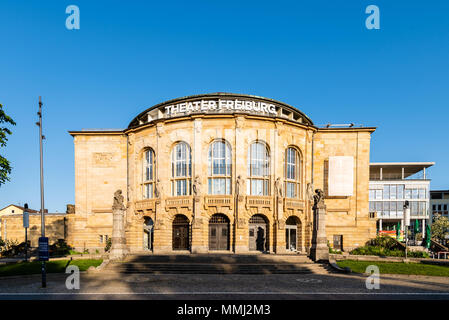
x,y
43,249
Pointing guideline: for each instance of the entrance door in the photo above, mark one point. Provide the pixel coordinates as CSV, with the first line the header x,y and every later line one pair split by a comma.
x,y
291,233
290,237
180,233
338,242
219,232
258,232
148,234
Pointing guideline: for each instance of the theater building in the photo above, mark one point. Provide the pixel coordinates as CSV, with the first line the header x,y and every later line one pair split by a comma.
x,y
222,172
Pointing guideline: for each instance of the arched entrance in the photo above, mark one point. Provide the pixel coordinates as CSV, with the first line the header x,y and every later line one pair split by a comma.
x,y
219,232
180,228
148,234
258,233
291,233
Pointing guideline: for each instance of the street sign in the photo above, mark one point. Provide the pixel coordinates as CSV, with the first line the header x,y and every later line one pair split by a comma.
x,y
43,249
26,219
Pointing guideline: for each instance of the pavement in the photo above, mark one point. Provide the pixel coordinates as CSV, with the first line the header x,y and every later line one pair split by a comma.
x,y
116,285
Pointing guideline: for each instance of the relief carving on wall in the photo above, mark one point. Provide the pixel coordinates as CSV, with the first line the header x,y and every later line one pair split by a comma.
x,y
160,130
102,159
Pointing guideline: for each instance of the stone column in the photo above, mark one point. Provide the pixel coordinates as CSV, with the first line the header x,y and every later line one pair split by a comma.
x,y
118,248
319,250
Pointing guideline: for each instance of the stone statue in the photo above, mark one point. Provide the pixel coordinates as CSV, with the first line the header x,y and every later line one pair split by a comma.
x,y
309,191
197,186
318,198
70,209
157,192
239,186
278,188
118,201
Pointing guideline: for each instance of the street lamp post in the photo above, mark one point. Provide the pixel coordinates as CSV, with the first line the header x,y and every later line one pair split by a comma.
x,y
26,225
41,137
406,224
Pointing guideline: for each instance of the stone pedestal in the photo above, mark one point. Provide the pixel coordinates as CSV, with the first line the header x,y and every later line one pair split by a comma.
x,y
280,237
241,227
319,250
198,245
118,248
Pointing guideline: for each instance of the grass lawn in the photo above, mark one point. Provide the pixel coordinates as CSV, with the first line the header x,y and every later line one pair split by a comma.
x,y
34,267
397,267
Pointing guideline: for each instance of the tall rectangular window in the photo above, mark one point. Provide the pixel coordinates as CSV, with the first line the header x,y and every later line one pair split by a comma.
x,y
219,168
386,192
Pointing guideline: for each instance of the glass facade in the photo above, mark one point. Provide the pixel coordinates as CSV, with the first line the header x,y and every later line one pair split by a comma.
x,y
388,200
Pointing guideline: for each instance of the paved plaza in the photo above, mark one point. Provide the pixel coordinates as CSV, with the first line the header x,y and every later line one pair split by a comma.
x,y
107,285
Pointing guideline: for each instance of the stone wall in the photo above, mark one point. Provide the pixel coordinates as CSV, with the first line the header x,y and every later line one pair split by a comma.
x,y
12,228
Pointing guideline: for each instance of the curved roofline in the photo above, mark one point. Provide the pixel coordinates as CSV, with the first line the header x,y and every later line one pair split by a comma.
x,y
217,94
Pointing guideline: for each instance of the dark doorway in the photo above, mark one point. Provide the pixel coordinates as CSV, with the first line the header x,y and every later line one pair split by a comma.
x,y
180,233
291,234
219,232
148,234
258,233
338,242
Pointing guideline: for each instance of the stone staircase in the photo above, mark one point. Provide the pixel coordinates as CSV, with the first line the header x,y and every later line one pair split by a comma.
x,y
217,264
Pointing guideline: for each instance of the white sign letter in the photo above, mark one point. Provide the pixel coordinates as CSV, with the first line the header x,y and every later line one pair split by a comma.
x,y
72,21
373,281
73,281
373,20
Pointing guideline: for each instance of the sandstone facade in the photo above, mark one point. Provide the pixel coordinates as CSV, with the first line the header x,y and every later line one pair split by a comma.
x,y
106,161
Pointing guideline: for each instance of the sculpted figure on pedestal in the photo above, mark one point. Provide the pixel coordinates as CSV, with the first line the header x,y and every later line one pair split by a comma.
x,y
318,198
118,201
197,186
278,188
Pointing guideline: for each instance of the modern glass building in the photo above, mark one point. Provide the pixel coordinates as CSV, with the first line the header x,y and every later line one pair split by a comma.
x,y
391,184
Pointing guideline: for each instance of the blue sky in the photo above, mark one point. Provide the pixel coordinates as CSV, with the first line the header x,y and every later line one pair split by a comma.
x,y
130,55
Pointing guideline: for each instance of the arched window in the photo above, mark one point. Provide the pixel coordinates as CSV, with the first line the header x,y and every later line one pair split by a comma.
x,y
148,174
258,170
219,168
181,170
292,167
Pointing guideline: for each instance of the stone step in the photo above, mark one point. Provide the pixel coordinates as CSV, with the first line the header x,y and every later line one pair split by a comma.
x,y
218,258
216,269
217,264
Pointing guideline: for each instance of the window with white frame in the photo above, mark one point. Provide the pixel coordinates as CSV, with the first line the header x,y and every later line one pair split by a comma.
x,y
148,174
292,172
181,170
219,168
258,170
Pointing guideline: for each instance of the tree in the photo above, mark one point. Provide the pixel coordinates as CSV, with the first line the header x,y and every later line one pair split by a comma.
x,y
440,228
5,167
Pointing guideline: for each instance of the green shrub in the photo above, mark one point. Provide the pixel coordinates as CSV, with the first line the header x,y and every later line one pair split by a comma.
x,y
12,248
418,254
384,242
108,245
60,248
